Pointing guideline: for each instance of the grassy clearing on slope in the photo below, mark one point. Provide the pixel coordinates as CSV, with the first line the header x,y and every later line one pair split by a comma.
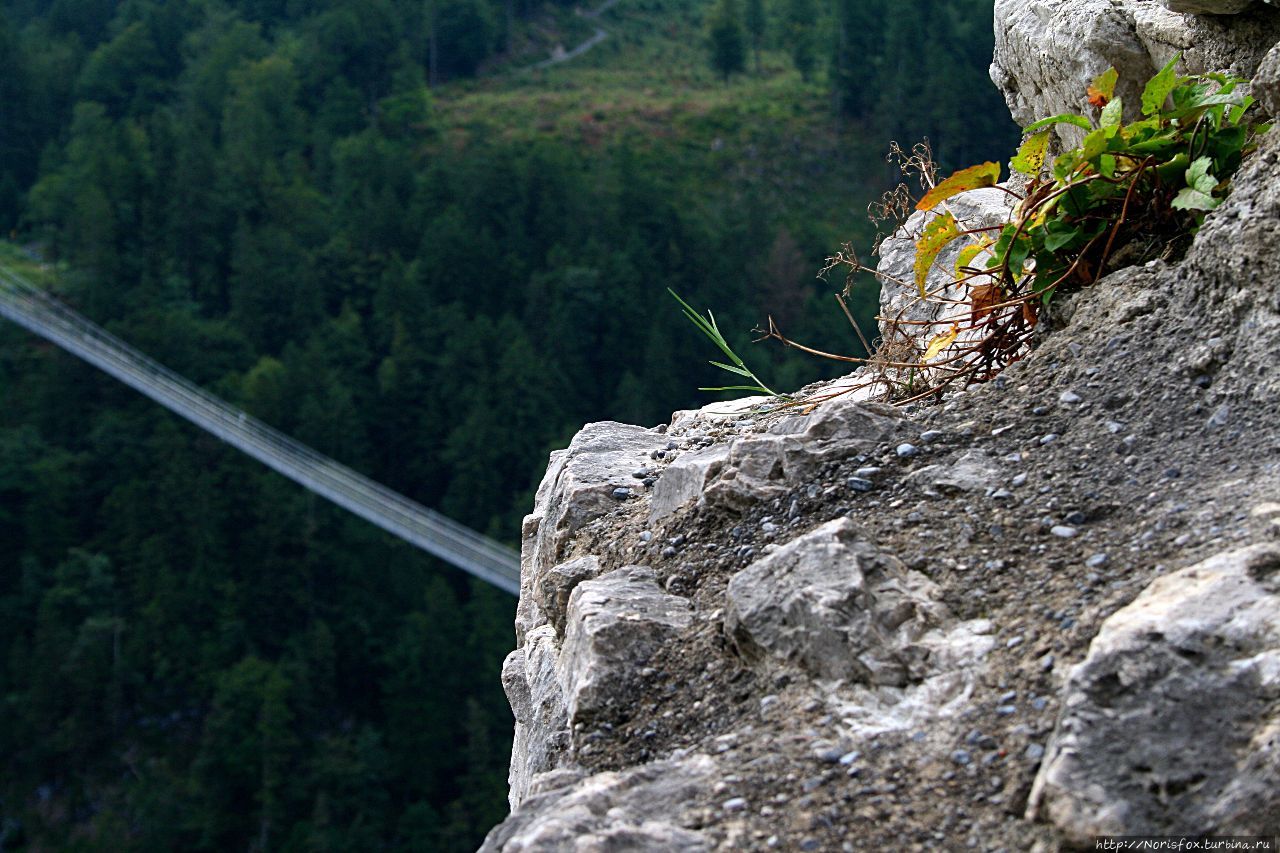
x,y
15,258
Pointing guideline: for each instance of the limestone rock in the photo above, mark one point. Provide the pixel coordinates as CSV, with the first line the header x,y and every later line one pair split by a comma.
x,y
635,809
537,703
766,465
1172,723
837,607
899,296
577,488
1266,83
975,471
685,479
1048,52
554,586
615,624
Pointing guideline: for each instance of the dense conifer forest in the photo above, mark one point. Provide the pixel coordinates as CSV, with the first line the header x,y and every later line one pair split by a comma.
x,y
361,221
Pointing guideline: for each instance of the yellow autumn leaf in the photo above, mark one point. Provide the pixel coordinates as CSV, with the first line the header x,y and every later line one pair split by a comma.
x,y
968,253
1030,157
940,231
939,342
972,178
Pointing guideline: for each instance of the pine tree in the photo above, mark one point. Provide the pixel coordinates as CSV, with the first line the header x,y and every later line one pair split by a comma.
x,y
756,22
728,41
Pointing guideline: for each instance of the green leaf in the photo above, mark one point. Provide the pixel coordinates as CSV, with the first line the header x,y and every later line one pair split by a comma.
x,y
1107,166
1199,177
972,178
1064,118
1030,157
1054,241
1112,113
1189,199
940,231
1158,87
1094,144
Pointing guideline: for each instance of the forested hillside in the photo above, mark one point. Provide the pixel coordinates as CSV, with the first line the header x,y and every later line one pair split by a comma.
x,y
364,223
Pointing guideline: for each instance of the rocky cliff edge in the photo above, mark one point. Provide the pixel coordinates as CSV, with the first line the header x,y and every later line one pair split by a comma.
x,y
1042,610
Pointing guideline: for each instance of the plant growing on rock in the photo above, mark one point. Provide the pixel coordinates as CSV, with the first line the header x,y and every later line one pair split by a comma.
x,y
1126,194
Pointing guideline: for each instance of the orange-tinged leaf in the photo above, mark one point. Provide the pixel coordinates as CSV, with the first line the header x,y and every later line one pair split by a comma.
x,y
1029,313
1103,88
981,298
972,178
940,231
939,342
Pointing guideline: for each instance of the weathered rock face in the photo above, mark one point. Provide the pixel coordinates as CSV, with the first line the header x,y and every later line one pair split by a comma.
x,y
1201,649
1047,52
1039,609
837,607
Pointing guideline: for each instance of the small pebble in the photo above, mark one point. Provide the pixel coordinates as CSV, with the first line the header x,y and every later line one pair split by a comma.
x,y
1041,702
1070,398
1114,427
769,527
930,436
640,473
1034,752
1005,710
860,484
1040,411
1050,438
646,535
1063,531
1076,517
1019,480
669,551
906,450
961,757
866,473
850,757
621,494
1097,561
1046,663
1013,642
736,804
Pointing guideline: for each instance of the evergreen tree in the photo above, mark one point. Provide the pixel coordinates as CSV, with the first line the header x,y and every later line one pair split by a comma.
x,y
728,40
756,22
801,24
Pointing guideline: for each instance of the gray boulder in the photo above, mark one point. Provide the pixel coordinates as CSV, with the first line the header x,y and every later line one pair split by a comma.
x,y
577,488
899,295
685,479
763,466
975,471
837,607
541,720
636,809
615,624
1171,725
1266,83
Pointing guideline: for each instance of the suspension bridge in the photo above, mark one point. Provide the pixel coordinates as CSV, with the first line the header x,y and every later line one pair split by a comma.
x,y
35,310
